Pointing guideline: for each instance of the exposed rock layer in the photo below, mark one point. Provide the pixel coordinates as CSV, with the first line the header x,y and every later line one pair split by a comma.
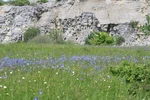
x,y
76,19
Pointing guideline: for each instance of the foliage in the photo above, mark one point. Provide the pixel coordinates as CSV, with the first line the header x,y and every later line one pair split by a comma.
x,y
136,76
99,38
43,1
146,28
56,36
1,2
31,33
79,72
134,24
20,2
119,40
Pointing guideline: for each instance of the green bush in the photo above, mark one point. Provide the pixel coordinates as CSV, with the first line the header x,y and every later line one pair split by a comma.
x,y
20,2
99,38
1,2
136,76
43,1
109,40
146,28
31,33
134,24
119,40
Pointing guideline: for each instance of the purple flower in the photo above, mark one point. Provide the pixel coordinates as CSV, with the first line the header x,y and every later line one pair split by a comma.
x,y
40,92
5,76
36,98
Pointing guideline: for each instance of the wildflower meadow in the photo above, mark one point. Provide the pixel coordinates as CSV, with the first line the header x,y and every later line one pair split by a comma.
x,y
69,72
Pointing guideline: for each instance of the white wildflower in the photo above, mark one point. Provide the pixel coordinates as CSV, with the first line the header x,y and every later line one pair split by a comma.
x,y
23,78
45,82
39,72
73,72
11,72
5,87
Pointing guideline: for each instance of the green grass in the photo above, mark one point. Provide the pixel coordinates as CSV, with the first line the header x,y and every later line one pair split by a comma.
x,y
76,80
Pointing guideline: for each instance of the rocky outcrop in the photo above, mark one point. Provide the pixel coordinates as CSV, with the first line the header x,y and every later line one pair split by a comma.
x,y
76,18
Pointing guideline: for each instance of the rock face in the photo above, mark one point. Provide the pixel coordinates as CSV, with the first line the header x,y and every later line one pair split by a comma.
x,y
106,11
76,18
78,28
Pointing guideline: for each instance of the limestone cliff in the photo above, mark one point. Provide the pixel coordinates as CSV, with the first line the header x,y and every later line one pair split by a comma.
x,y
76,18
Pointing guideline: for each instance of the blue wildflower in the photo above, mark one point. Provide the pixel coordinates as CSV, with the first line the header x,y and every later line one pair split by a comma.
x,y
36,98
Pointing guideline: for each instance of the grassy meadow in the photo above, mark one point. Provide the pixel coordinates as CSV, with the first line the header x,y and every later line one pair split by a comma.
x,y
66,72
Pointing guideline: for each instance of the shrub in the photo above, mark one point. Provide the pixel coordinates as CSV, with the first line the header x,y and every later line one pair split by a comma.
x,y
109,40
56,36
43,1
119,40
98,38
20,2
146,28
136,76
1,2
134,24
31,33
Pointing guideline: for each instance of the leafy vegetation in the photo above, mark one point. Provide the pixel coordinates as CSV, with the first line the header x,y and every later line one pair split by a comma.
x,y
43,1
31,33
52,72
134,24
146,28
99,38
1,2
20,2
119,40
136,76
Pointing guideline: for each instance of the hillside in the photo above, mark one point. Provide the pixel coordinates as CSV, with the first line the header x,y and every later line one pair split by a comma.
x,y
77,18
